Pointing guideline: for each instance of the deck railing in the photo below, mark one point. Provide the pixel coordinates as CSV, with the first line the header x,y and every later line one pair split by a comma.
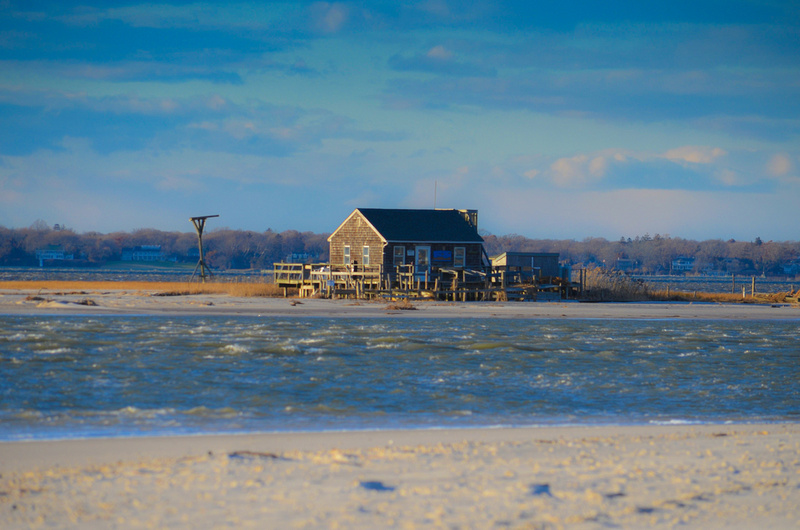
x,y
408,281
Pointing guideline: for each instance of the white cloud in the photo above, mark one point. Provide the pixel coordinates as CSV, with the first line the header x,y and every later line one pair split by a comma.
x,y
694,154
729,177
598,166
569,171
578,170
440,52
779,165
612,214
686,168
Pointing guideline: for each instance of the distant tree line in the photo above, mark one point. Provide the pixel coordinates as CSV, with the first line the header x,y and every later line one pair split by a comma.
x,y
655,255
244,249
223,248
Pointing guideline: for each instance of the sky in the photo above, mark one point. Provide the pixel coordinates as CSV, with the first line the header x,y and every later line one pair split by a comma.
x,y
565,121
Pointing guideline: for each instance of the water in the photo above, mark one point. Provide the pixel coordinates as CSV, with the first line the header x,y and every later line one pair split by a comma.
x,y
87,376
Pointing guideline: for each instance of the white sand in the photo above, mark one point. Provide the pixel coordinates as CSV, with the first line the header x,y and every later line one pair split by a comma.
x,y
731,476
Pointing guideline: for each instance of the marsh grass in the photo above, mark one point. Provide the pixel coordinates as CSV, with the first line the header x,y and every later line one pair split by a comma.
x,y
613,286
150,288
727,298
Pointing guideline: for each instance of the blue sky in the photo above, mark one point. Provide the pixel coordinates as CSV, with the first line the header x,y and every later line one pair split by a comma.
x,y
587,119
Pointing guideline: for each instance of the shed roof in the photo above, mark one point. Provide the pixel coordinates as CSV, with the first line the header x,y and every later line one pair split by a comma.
x,y
526,255
421,225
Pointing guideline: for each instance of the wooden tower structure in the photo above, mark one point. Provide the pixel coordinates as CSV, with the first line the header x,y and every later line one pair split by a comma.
x,y
199,223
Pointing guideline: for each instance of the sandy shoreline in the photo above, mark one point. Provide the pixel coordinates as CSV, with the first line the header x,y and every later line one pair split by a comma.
x,y
696,476
133,303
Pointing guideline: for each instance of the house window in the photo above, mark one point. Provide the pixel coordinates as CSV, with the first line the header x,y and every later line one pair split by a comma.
x,y
365,256
347,254
459,256
399,256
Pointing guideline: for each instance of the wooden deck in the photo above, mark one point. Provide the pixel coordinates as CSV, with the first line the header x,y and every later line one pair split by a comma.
x,y
370,282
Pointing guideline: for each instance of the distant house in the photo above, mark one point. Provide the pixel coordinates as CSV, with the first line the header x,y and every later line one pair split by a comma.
x,y
384,239
52,252
530,264
792,268
625,264
143,253
300,257
683,264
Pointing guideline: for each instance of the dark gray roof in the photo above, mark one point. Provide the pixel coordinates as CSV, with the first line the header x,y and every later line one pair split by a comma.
x,y
421,225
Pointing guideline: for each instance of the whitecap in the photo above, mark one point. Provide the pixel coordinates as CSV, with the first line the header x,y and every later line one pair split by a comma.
x,y
25,336
235,348
674,422
55,351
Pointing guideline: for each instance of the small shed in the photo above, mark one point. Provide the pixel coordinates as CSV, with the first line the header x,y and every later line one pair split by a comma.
x,y
537,264
384,239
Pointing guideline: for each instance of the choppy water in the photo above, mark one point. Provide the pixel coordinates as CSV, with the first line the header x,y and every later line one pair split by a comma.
x,y
83,376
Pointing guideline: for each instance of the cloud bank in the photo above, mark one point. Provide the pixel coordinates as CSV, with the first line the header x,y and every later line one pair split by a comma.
x,y
554,121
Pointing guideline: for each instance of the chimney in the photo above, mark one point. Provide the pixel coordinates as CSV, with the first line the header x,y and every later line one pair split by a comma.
x,y
470,216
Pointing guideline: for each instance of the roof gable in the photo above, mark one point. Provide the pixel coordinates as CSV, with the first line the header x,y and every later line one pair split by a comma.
x,y
421,225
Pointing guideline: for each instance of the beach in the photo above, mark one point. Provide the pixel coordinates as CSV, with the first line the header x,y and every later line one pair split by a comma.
x,y
692,476
704,475
20,302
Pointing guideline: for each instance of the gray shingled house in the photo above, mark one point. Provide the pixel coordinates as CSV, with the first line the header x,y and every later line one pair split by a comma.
x,y
381,240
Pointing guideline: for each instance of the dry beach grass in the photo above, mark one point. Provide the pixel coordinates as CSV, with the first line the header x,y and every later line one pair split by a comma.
x,y
242,289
